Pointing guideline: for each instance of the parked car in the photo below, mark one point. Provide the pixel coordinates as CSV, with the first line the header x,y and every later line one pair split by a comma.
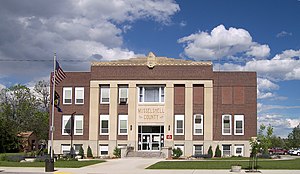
x,y
294,152
278,151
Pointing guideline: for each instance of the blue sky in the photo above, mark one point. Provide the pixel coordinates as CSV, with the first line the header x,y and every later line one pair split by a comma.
x,y
261,36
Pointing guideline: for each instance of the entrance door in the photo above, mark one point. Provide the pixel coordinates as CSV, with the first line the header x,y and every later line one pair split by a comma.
x,y
150,138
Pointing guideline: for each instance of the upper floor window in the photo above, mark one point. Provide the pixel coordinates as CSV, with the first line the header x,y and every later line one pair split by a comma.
x,y
67,95
179,124
76,122
104,94
123,94
198,124
239,125
152,94
123,124
226,124
104,124
79,95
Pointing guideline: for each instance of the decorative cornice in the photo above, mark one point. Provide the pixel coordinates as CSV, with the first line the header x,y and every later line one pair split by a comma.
x,y
151,61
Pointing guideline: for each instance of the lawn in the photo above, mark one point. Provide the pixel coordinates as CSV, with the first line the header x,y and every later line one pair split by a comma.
x,y
222,164
58,164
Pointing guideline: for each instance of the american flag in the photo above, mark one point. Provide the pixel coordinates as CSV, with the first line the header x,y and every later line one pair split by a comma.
x,y
59,74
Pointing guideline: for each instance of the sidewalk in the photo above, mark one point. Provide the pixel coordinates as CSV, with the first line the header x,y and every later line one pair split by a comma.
x,y
130,166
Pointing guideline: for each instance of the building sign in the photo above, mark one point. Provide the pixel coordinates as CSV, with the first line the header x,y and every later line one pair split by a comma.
x,y
169,136
151,114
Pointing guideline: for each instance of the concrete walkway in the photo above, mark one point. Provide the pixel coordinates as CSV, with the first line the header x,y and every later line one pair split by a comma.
x,y
130,166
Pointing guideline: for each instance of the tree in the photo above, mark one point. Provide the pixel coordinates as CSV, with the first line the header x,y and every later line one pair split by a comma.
x,y
264,138
81,152
218,151
117,152
89,152
177,152
210,152
294,137
42,89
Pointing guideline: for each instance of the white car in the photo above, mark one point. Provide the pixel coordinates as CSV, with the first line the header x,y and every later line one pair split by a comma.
x,y
294,152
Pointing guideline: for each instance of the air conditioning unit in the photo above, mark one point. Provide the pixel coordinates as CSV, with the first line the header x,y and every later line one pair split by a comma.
x,y
123,100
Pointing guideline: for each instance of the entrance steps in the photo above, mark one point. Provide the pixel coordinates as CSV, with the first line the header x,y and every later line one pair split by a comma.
x,y
145,154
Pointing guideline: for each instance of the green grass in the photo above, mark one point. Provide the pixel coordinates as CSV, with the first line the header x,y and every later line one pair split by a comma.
x,y
222,164
58,164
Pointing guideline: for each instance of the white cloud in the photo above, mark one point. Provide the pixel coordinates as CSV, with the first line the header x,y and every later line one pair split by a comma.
x,y
89,30
221,42
282,125
283,34
263,108
2,86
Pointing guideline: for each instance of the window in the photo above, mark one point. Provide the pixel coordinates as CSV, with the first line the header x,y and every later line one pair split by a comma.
x,y
179,124
67,95
104,94
103,149
77,148
239,125
123,127
152,94
67,125
197,149
180,146
78,129
226,149
104,123
79,95
123,94
239,150
198,124
226,124
65,149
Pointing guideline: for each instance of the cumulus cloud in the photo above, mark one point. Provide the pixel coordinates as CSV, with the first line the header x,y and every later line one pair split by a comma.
x,y
284,66
282,125
222,42
78,30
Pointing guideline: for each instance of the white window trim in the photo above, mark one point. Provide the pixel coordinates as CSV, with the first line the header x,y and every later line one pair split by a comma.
x,y
103,147
65,117
194,148
64,95
101,90
122,117
78,117
230,154
120,88
201,124
239,146
68,117
76,93
230,124
143,93
179,117
104,117
65,147
239,118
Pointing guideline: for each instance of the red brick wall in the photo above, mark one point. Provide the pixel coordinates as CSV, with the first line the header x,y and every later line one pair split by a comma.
x,y
73,79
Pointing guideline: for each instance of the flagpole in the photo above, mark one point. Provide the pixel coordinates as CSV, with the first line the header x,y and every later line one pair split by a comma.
x,y
52,113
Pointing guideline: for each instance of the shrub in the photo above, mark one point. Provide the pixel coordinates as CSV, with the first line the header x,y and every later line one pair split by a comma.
x,y
89,152
81,152
218,151
177,153
210,152
117,152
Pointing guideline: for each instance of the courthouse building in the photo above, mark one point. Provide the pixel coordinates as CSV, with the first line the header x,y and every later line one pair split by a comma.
x,y
149,103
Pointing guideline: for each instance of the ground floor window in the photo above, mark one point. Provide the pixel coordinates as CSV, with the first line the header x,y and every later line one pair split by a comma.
x,y
226,150
65,149
77,148
239,150
197,150
103,149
